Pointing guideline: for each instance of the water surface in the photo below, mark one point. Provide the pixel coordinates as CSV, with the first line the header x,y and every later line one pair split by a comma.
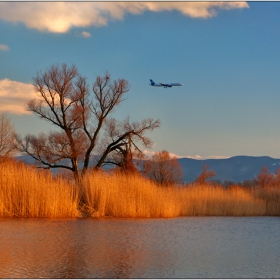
x,y
188,247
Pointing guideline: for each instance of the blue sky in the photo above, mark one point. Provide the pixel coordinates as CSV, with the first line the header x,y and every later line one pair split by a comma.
x,y
226,55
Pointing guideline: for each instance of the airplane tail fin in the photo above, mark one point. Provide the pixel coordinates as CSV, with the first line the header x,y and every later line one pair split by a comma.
x,y
152,82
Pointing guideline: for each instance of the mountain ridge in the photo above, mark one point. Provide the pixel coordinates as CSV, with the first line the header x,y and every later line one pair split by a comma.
x,y
236,169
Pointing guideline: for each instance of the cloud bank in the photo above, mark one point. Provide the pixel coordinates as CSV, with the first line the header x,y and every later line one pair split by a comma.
x,y
60,17
14,95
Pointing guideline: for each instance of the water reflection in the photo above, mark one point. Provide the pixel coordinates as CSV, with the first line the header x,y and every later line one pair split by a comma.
x,y
213,247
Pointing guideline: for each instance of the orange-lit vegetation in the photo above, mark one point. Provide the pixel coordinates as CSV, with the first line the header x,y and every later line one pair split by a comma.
x,y
28,192
134,196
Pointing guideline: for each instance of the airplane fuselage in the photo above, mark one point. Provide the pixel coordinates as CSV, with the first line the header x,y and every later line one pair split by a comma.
x,y
165,85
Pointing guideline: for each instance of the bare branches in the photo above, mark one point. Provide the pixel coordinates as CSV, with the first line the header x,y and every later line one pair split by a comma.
x,y
64,100
119,131
107,95
205,174
126,134
7,136
163,168
59,89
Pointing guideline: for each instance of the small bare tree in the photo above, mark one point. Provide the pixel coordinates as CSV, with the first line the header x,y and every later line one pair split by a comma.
x,y
7,136
163,168
205,174
64,99
264,179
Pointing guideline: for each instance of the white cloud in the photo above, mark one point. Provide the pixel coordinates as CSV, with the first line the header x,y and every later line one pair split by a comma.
x,y
14,95
60,17
195,157
206,157
217,157
198,157
150,153
4,48
86,34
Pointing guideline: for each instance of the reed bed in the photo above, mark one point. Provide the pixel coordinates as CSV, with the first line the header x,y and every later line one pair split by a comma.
x,y
28,192
205,200
121,195
271,197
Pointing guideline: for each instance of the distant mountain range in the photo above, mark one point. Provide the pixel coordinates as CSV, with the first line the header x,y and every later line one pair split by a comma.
x,y
236,169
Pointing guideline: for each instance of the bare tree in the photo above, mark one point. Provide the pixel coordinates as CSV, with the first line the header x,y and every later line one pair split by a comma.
x,y
264,178
7,136
64,99
205,174
163,168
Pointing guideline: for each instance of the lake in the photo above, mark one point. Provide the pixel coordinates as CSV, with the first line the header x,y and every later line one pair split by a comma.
x,y
185,247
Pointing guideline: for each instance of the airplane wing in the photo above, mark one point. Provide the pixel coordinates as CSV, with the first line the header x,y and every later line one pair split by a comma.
x,y
165,85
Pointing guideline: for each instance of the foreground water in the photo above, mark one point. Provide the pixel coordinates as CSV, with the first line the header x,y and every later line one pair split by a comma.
x,y
192,247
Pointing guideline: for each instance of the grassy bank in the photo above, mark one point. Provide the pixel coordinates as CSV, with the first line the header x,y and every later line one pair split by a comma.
x,y
28,192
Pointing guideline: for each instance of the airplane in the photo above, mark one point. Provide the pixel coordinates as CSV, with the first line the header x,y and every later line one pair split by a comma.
x,y
164,85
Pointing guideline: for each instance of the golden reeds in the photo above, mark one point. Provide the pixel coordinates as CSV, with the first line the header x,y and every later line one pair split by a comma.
x,y
271,197
28,192
121,195
134,196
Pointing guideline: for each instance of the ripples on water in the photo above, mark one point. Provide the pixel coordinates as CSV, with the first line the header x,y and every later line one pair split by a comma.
x,y
189,247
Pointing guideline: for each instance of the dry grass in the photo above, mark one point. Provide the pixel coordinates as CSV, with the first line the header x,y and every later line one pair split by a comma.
x,y
122,195
28,192
271,198
207,200
134,196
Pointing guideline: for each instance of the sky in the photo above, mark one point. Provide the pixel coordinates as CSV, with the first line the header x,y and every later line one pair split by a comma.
x,y
226,54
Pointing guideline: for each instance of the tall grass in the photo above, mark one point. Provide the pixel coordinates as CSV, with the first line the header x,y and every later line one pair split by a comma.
x,y
131,195
28,192
121,195
271,198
